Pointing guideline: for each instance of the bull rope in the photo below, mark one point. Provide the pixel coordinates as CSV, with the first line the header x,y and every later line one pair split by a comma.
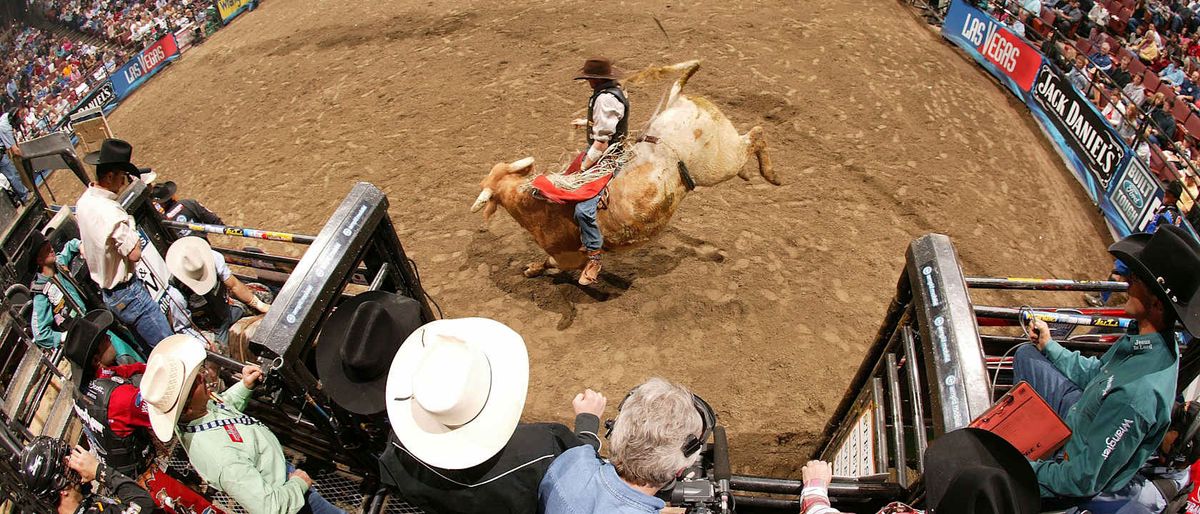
x,y
611,162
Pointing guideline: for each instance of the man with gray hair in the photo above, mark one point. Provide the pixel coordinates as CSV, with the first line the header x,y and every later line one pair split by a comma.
x,y
653,438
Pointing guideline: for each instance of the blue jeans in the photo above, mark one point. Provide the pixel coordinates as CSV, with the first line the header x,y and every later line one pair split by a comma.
x,y
10,172
313,502
221,334
1031,366
132,305
589,229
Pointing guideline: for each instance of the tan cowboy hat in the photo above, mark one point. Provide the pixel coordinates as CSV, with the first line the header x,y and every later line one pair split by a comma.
x,y
456,390
170,372
191,261
599,68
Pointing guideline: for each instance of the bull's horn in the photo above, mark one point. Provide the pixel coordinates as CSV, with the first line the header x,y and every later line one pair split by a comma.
x,y
521,164
484,196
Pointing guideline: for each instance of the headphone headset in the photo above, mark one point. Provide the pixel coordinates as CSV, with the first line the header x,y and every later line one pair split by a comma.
x,y
1186,448
693,444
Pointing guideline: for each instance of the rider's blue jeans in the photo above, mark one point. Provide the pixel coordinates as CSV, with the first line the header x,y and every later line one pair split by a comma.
x,y
589,229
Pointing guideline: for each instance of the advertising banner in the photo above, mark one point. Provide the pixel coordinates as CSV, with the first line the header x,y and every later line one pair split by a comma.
x,y
1135,195
101,96
229,9
1081,126
143,66
1005,54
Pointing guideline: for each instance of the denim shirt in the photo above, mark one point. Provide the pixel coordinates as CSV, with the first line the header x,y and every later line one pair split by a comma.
x,y
580,482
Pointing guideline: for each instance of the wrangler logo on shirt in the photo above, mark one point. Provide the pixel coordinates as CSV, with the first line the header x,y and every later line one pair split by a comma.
x,y
1111,442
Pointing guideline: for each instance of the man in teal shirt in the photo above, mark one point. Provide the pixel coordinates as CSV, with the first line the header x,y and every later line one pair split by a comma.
x,y
1119,405
52,309
232,451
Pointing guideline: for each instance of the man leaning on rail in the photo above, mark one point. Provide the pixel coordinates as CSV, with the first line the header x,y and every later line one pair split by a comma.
x,y
1118,406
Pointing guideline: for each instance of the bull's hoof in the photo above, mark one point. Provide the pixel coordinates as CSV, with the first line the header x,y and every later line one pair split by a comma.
x,y
534,270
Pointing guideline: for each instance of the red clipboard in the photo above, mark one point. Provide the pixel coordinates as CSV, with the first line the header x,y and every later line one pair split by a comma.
x,y
1026,421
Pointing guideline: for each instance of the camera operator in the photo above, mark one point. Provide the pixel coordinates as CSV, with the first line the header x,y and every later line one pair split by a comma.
x,y
57,474
656,434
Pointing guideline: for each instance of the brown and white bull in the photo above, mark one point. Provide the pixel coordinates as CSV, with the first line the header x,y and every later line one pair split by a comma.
x,y
644,195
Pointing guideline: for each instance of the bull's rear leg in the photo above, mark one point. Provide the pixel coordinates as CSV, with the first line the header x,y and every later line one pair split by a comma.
x,y
756,144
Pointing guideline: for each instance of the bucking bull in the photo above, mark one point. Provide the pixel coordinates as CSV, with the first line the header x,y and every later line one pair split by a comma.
x,y
695,142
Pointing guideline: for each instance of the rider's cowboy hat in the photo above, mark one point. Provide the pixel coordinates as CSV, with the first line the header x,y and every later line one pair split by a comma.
x,y
1168,263
114,154
599,68
456,390
165,191
170,373
971,471
190,259
83,337
356,346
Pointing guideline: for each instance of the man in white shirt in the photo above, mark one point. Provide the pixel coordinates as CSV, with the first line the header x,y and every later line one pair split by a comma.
x,y
607,124
111,246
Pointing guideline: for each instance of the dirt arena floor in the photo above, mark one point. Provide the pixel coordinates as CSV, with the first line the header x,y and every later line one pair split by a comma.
x,y
762,298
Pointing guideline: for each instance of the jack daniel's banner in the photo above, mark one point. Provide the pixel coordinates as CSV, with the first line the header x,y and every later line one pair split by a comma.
x,y
1079,124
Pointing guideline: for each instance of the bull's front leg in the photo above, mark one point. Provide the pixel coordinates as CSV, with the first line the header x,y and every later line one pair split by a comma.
x,y
538,269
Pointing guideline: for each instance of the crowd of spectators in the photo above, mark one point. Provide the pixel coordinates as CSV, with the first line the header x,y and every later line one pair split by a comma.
x,y
45,75
129,24
1138,61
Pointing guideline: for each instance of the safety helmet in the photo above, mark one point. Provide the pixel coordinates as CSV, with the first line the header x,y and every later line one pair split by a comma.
x,y
44,469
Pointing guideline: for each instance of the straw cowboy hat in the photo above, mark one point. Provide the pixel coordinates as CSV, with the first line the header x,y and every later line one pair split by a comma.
x,y
970,471
1168,263
190,260
115,154
83,337
456,390
599,68
357,343
169,376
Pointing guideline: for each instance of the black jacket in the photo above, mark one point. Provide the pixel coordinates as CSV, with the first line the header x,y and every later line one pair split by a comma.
x,y
506,483
122,491
189,211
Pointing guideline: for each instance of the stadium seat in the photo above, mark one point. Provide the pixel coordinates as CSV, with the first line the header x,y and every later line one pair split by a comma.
x,y
1116,25
1193,125
1168,93
1181,111
1048,17
1136,67
1113,44
1151,81
1083,46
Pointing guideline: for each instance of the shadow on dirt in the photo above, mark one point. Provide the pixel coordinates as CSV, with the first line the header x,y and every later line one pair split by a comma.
x,y
558,291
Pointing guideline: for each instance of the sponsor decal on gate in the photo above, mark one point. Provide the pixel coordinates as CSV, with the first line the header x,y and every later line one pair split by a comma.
x,y
1081,126
990,42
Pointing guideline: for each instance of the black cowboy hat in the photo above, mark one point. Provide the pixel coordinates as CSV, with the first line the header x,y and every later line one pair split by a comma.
x,y
33,245
1168,263
114,154
599,68
356,346
164,191
83,337
972,471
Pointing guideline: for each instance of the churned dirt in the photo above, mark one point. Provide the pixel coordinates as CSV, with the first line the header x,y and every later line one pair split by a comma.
x,y
762,298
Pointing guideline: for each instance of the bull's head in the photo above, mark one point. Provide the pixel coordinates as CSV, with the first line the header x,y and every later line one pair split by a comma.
x,y
492,183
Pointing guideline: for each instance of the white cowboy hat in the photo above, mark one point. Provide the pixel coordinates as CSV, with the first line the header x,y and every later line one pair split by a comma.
x,y
456,390
170,372
190,260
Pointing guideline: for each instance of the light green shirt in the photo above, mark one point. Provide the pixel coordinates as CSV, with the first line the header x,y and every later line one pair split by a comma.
x,y
246,462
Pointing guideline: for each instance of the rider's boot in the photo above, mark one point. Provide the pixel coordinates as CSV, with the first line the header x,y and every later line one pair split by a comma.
x,y
591,271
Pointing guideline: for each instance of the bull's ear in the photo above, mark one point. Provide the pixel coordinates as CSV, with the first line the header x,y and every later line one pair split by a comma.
x,y
521,165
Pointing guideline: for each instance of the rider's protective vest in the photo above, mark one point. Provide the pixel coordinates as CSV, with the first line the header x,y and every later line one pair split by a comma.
x,y
622,129
128,455
209,311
